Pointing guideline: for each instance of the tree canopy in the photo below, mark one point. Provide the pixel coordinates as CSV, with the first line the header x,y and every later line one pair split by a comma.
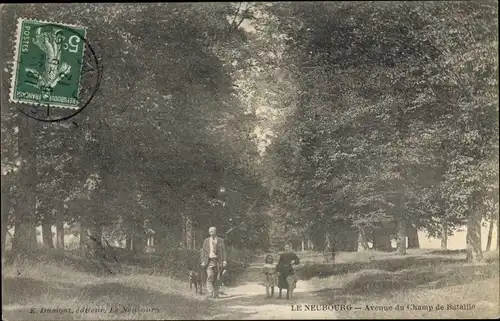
x,y
268,117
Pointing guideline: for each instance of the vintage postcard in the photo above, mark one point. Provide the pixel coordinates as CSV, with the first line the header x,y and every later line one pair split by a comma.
x,y
250,160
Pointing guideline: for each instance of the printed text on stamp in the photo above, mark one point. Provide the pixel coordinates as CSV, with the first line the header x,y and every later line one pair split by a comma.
x,y
47,67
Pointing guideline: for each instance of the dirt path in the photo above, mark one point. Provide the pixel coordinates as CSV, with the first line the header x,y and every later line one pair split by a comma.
x,y
247,300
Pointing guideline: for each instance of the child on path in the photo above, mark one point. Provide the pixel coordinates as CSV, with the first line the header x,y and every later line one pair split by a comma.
x,y
269,271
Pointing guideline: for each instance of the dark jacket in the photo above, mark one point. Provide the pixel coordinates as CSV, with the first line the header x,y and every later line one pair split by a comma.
x,y
285,262
220,251
285,268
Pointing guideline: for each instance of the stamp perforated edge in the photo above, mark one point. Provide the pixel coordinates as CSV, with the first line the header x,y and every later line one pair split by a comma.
x,y
13,73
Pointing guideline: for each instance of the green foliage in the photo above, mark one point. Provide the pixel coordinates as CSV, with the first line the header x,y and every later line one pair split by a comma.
x,y
164,132
309,115
397,115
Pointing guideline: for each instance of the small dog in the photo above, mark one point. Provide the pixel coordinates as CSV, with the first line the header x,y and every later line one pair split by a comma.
x,y
292,284
195,279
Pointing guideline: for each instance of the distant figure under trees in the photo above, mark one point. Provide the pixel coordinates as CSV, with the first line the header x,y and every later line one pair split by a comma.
x,y
329,247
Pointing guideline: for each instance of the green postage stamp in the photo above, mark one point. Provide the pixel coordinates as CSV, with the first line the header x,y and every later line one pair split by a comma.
x,y
47,63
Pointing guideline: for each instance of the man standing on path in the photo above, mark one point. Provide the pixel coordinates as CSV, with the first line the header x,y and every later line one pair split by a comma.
x,y
213,259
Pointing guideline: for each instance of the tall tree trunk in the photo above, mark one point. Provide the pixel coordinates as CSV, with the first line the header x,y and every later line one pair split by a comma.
x,y
177,239
128,241
412,234
184,231
382,240
24,240
97,235
328,240
32,236
138,243
60,233
401,240
490,235
303,244
188,227
83,232
331,244
362,240
343,236
444,234
129,238
474,251
352,239
161,240
25,232
498,234
5,213
5,216
157,242
345,239
310,244
92,238
48,242
4,235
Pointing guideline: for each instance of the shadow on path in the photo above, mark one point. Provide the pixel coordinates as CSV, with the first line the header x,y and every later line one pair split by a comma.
x,y
309,271
246,297
27,292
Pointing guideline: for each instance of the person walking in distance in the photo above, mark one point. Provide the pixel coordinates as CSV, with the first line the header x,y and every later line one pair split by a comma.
x,y
213,259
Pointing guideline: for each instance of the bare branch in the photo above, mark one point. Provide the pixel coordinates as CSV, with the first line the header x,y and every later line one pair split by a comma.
x,y
236,14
